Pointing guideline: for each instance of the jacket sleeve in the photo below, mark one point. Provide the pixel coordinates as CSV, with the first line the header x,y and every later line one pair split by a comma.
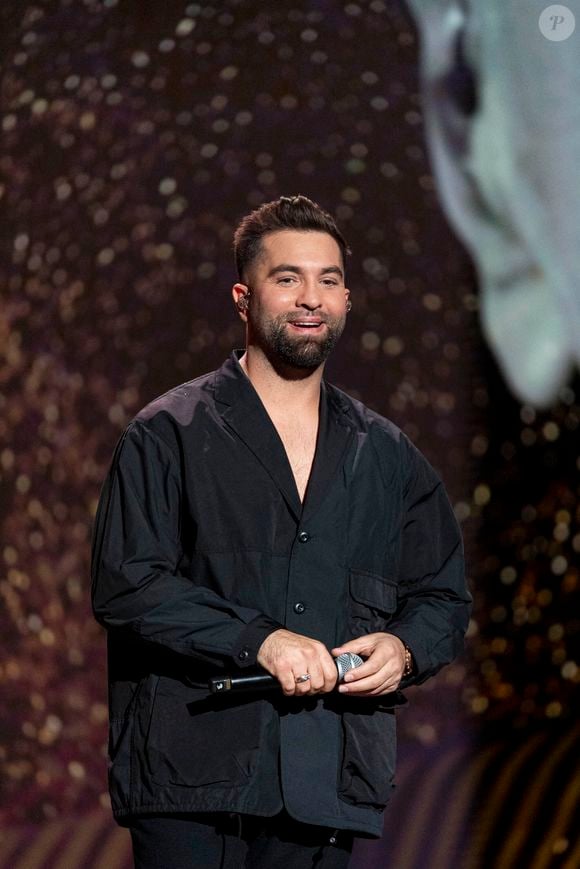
x,y
136,585
434,601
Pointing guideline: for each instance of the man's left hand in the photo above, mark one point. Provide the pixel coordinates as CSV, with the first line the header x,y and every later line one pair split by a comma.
x,y
381,672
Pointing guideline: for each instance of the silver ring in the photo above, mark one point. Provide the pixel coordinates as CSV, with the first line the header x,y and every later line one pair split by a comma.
x,y
305,677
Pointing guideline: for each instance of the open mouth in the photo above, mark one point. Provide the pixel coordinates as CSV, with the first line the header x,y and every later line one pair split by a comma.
x,y
307,325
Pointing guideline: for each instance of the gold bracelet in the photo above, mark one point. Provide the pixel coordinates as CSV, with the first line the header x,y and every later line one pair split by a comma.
x,y
408,661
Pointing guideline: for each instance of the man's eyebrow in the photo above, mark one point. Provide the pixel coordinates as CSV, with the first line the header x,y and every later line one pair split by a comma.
x,y
288,267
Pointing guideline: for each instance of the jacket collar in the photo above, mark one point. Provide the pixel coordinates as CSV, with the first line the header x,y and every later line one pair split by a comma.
x,y
242,410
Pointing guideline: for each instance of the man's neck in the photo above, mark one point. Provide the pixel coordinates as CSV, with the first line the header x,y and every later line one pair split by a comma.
x,y
280,394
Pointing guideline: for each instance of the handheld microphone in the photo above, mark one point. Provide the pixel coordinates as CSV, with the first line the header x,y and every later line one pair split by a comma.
x,y
265,681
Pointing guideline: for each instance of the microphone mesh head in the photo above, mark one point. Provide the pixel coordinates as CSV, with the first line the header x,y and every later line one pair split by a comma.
x,y
347,661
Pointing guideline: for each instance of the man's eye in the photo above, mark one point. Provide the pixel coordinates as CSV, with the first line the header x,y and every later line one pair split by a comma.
x,y
330,283
285,280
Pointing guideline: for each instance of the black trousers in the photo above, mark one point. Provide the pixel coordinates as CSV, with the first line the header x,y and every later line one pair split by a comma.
x,y
231,841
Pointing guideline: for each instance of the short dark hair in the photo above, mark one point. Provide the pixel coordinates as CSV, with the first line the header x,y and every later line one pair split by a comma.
x,y
287,212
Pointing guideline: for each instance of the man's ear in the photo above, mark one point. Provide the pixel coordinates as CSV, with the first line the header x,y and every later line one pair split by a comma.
x,y
240,294
347,299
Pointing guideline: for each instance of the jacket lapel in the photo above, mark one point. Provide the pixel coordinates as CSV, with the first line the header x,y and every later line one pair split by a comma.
x,y
241,409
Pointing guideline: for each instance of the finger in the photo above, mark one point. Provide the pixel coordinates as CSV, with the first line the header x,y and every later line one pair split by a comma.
x,y
370,683
377,692
359,647
376,661
311,668
386,687
330,674
312,665
288,682
301,687
370,666
323,670
363,686
382,688
316,682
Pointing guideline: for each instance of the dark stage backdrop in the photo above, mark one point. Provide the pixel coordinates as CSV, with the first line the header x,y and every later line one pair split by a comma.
x,y
135,136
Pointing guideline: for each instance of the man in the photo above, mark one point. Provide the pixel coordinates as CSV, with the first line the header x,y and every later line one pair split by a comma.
x,y
257,518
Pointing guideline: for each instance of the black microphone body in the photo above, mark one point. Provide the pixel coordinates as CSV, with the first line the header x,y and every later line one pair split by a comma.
x,y
265,681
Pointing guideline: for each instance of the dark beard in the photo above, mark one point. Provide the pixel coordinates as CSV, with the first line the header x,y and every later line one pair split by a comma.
x,y
300,351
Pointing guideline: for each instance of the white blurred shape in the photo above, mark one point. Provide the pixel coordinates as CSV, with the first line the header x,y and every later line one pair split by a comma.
x,y
502,113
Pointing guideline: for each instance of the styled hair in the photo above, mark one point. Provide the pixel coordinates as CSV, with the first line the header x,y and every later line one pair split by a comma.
x,y
287,212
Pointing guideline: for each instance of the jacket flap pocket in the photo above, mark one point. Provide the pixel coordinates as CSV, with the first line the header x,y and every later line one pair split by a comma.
x,y
373,590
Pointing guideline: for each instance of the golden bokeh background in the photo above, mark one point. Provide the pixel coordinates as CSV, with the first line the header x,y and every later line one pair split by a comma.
x,y
135,136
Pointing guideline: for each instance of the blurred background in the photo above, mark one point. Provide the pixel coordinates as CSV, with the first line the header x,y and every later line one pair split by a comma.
x,y
135,135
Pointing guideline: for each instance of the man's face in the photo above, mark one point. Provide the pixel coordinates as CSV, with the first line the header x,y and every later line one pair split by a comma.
x,y
297,303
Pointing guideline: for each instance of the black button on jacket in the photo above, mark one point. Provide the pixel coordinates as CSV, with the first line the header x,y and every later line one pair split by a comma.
x,y
197,557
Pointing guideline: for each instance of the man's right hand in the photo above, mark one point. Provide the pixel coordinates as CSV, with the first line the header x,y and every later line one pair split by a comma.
x,y
287,655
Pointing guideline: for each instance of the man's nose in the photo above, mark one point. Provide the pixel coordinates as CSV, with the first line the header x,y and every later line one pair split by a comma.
x,y
309,295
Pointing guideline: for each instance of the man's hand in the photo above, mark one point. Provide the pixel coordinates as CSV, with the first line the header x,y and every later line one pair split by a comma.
x,y
381,672
287,655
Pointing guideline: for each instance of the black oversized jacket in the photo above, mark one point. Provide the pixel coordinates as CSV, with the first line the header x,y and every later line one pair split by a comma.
x,y
202,548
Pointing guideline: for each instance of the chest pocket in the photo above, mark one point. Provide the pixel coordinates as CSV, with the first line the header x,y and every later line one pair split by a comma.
x,y
372,600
